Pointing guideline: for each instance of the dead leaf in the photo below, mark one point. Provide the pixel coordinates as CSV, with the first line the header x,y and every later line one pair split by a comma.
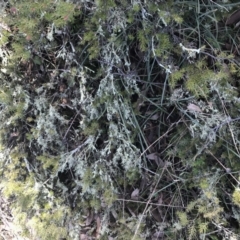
x,y
89,219
160,199
14,134
135,194
156,215
152,156
233,18
193,108
156,158
98,228
144,182
62,87
65,101
84,237
155,117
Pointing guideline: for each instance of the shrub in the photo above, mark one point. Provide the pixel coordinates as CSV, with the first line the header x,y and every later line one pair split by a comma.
x,y
116,114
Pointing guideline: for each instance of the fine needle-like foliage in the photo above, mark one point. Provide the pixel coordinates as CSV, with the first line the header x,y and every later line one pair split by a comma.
x,y
119,119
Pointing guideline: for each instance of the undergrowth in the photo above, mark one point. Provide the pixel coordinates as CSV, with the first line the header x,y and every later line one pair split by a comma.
x,y
119,120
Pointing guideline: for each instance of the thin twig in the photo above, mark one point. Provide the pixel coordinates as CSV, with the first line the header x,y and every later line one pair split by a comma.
x,y
226,169
147,204
154,204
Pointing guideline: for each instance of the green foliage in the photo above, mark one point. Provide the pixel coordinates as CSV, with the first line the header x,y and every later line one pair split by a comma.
x,y
109,197
197,78
143,40
126,229
48,161
182,218
48,226
102,97
62,14
236,196
92,128
163,45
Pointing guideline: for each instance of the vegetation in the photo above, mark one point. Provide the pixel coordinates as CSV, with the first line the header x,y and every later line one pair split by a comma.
x,y
119,119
